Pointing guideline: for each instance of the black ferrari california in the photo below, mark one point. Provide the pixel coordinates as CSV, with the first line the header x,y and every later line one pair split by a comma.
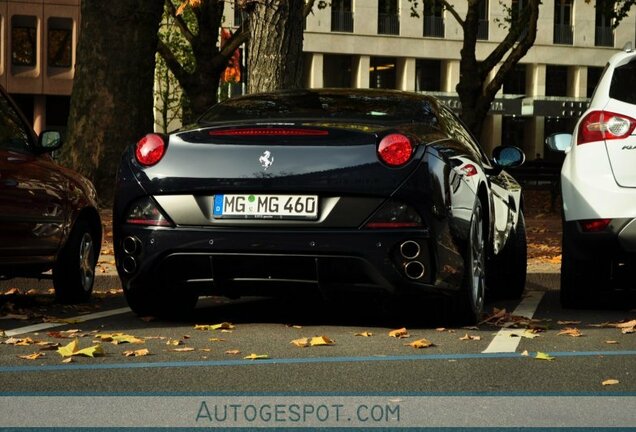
x,y
333,190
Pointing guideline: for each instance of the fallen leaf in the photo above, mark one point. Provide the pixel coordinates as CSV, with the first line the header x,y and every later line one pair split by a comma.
x,y
628,330
184,349
11,316
72,350
469,337
611,342
294,326
628,324
399,333
119,338
440,329
186,337
65,334
216,340
174,342
364,334
421,343
321,341
220,326
233,352
205,349
68,360
33,356
19,341
136,353
529,334
568,322
2,334
543,356
12,291
610,382
525,353
302,342
570,331
256,357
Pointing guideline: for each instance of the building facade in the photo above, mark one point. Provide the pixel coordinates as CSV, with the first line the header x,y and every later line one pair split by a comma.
x,y
38,40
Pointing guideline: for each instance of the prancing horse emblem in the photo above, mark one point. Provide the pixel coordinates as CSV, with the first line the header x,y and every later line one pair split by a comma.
x,y
266,159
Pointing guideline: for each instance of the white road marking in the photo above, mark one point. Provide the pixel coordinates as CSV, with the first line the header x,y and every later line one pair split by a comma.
x,y
76,319
505,340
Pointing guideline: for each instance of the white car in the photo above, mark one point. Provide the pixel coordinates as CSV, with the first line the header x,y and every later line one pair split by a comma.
x,y
598,184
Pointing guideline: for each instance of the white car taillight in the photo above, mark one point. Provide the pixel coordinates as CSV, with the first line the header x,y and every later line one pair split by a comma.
x,y
604,125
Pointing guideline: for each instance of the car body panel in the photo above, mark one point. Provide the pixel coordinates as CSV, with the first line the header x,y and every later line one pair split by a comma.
x,y
335,159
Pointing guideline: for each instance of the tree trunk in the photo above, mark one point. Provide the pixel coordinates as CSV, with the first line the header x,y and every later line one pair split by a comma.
x,y
112,101
275,45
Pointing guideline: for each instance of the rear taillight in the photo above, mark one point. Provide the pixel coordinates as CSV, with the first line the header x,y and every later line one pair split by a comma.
x,y
150,149
144,211
594,225
604,125
394,214
395,149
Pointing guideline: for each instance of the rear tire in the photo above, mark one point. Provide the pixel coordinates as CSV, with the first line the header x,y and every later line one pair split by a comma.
x,y
74,270
507,270
468,305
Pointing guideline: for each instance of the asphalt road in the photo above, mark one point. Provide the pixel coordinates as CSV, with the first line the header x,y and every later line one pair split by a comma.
x,y
485,360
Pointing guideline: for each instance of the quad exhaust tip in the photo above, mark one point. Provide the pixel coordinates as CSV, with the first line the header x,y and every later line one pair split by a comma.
x,y
410,249
131,245
414,270
129,264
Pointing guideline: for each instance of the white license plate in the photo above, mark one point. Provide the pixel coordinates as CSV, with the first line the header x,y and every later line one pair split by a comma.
x,y
265,206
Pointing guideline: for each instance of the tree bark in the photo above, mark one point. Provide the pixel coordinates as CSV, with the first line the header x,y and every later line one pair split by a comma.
x,y
112,100
275,45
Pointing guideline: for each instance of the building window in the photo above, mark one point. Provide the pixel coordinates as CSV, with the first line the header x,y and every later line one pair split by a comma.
x,y
515,81
337,71
23,40
482,29
341,16
604,34
382,72
434,19
556,80
563,22
238,14
516,10
388,17
428,76
60,42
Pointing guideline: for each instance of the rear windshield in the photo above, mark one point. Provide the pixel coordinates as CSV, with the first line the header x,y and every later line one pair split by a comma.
x,y
623,87
377,108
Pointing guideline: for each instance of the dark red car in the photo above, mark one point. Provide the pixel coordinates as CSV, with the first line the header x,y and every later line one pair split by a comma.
x,y
48,214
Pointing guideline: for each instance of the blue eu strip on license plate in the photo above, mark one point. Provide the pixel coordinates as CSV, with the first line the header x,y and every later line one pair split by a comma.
x,y
218,205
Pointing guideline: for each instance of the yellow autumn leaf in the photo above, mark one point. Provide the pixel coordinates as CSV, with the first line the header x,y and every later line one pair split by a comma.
x,y
233,352
33,356
421,343
136,353
72,350
119,338
399,333
469,337
321,341
302,342
611,342
364,334
529,334
525,353
216,340
610,382
184,349
68,360
19,341
219,326
174,342
543,356
256,357
570,331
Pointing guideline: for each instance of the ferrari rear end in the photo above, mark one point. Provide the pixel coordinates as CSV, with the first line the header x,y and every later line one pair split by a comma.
x,y
267,204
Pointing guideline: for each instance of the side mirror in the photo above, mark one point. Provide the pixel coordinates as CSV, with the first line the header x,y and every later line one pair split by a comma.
x,y
50,140
559,142
508,156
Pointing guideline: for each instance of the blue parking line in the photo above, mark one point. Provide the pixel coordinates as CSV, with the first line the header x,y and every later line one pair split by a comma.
x,y
283,361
